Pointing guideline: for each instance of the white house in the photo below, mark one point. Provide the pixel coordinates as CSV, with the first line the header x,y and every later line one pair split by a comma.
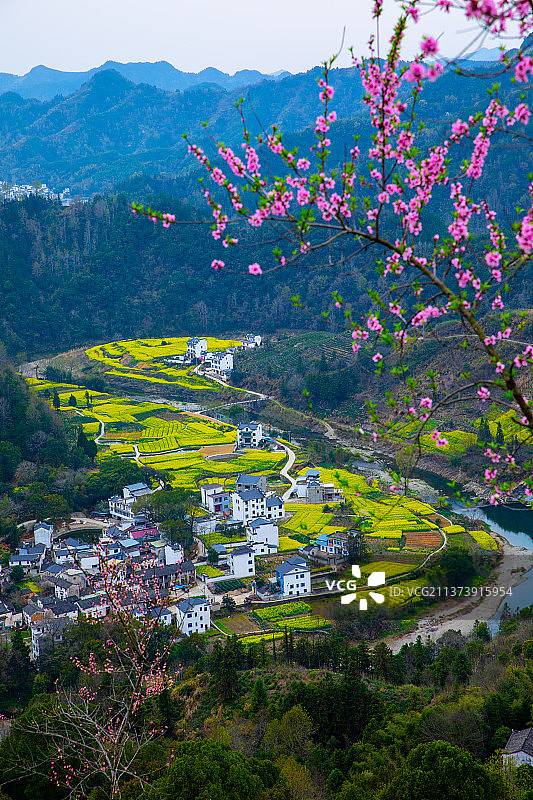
x,y
193,615
28,557
161,614
220,363
241,562
43,533
252,504
519,747
94,606
251,340
248,505
262,534
196,348
122,507
249,434
136,490
46,634
274,507
89,560
293,577
171,554
64,589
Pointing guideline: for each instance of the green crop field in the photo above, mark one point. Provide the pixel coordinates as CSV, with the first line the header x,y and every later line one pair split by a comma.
x,y
255,638
307,518
207,569
160,435
484,540
286,544
185,468
291,609
301,623
140,359
154,434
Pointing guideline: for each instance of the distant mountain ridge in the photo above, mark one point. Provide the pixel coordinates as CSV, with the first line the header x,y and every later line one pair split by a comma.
x,y
112,128
43,83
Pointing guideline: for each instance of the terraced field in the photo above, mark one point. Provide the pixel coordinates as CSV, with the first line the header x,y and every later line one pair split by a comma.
x,y
142,360
483,539
418,540
185,468
128,421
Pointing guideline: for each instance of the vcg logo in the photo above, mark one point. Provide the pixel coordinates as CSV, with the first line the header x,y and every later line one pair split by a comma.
x,y
374,579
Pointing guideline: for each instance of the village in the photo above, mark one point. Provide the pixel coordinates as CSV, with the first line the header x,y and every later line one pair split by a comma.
x,y
63,571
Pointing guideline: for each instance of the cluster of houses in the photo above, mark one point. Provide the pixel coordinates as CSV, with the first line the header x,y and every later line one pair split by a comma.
x,y
218,363
15,191
256,511
67,569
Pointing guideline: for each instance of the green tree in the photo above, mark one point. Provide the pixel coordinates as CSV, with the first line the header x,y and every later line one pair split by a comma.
x,y
17,574
382,661
258,697
442,770
10,458
461,667
56,402
481,631
20,667
205,769
527,649
72,401
228,602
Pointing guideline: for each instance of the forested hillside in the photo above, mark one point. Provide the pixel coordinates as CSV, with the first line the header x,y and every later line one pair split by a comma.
x,y
111,128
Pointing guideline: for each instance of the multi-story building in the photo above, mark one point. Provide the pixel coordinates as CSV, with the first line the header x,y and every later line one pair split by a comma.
x,y
241,562
43,533
244,482
311,488
293,577
196,348
251,340
47,633
215,498
249,434
122,507
220,363
193,615
252,504
262,534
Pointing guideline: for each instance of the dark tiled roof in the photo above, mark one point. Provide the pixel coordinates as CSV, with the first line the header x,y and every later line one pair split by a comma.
x,y
249,480
257,523
85,603
291,564
251,494
187,605
520,741
274,501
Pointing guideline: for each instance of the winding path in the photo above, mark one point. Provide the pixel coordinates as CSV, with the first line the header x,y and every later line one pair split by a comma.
x,y
285,470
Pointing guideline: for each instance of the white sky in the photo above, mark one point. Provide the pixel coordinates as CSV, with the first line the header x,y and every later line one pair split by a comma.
x,y
227,34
